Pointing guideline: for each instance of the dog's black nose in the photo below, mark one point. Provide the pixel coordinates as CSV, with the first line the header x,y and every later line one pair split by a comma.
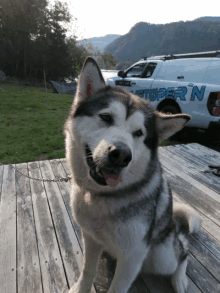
x,y
119,155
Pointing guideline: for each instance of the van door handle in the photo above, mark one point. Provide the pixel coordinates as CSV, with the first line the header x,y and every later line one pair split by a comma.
x,y
180,77
191,84
133,83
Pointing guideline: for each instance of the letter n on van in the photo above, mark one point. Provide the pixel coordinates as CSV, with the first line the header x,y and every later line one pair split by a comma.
x,y
196,92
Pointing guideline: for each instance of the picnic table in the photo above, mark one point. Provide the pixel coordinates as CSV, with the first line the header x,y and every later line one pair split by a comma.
x,y
40,244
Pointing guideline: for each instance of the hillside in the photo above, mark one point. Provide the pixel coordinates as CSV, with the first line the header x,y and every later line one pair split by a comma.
x,y
145,39
208,18
100,42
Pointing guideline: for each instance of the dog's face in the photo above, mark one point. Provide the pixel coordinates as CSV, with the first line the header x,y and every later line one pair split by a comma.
x,y
116,134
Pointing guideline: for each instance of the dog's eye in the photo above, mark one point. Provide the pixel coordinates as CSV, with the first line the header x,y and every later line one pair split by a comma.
x,y
106,117
138,133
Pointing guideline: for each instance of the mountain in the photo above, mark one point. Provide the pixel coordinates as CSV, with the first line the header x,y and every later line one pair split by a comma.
x,y
145,39
100,42
208,18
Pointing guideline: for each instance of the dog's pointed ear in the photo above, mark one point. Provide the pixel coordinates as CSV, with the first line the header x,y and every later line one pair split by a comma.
x,y
167,125
90,80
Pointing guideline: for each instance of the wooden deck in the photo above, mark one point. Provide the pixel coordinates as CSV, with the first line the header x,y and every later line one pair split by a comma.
x,y
40,245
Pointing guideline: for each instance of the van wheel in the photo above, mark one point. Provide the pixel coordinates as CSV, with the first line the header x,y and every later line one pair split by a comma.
x,y
169,110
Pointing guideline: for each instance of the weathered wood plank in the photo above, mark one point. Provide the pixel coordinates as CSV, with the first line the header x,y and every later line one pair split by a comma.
x,y
182,171
205,150
8,232
208,242
196,259
60,169
200,160
53,275
1,179
203,235
195,197
197,154
192,288
28,267
157,284
205,257
201,277
67,239
192,171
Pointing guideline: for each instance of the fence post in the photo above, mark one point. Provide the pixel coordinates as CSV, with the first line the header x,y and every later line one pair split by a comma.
x,y
45,81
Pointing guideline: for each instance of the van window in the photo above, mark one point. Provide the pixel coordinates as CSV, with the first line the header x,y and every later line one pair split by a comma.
x,y
213,73
149,70
136,70
186,70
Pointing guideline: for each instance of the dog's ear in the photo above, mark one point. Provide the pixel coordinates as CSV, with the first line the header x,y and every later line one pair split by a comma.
x,y
167,125
90,80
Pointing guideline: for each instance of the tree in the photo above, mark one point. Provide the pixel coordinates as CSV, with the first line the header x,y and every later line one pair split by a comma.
x,y
33,39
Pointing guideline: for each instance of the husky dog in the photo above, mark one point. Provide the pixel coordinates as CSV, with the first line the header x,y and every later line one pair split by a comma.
x,y
119,196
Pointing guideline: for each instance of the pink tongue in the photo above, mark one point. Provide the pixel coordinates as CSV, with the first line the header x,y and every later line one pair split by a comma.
x,y
112,180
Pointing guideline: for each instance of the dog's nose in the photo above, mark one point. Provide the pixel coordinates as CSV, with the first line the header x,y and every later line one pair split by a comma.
x,y
119,155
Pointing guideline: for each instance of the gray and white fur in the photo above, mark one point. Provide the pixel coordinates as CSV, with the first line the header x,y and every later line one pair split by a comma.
x,y
120,197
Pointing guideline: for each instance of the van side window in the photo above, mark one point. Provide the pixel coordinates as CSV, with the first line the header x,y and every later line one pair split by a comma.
x,y
149,70
136,70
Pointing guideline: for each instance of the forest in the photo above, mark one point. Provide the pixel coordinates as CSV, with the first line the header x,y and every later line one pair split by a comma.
x,y
35,40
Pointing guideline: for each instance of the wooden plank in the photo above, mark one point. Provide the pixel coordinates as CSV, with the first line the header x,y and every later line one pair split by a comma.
x,y
184,173
68,243
206,223
200,159
194,172
196,198
158,284
198,153
214,153
191,194
53,275
28,267
8,232
201,277
208,242
1,180
196,271
60,169
206,227
138,286
192,288
203,255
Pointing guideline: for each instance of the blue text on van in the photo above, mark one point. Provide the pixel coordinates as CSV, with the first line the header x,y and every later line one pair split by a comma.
x,y
155,94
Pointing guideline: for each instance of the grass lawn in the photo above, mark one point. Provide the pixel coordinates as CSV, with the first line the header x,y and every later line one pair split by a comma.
x,y
31,124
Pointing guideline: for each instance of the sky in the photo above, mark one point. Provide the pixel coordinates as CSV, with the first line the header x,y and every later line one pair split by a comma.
x,y
98,18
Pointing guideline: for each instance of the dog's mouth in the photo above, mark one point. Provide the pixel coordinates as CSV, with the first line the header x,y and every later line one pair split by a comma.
x,y
102,176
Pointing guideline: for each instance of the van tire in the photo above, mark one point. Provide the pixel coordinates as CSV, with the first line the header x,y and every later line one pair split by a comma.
x,y
169,109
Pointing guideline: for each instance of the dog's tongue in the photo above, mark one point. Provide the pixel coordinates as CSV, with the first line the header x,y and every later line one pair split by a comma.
x,y
112,180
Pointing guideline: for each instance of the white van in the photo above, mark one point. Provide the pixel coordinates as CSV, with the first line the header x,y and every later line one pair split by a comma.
x,y
185,83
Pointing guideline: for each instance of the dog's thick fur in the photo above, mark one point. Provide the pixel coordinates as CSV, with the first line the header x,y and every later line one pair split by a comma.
x,y
119,196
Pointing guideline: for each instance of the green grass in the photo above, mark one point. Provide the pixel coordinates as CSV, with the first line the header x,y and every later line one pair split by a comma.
x,y
31,124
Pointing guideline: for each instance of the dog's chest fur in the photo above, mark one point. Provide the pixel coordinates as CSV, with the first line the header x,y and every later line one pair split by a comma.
x,y
103,221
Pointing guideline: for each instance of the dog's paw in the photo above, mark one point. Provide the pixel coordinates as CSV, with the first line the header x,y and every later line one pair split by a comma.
x,y
74,288
179,283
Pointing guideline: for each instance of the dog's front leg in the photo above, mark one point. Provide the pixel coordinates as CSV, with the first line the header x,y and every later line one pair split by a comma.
x,y
92,251
127,268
